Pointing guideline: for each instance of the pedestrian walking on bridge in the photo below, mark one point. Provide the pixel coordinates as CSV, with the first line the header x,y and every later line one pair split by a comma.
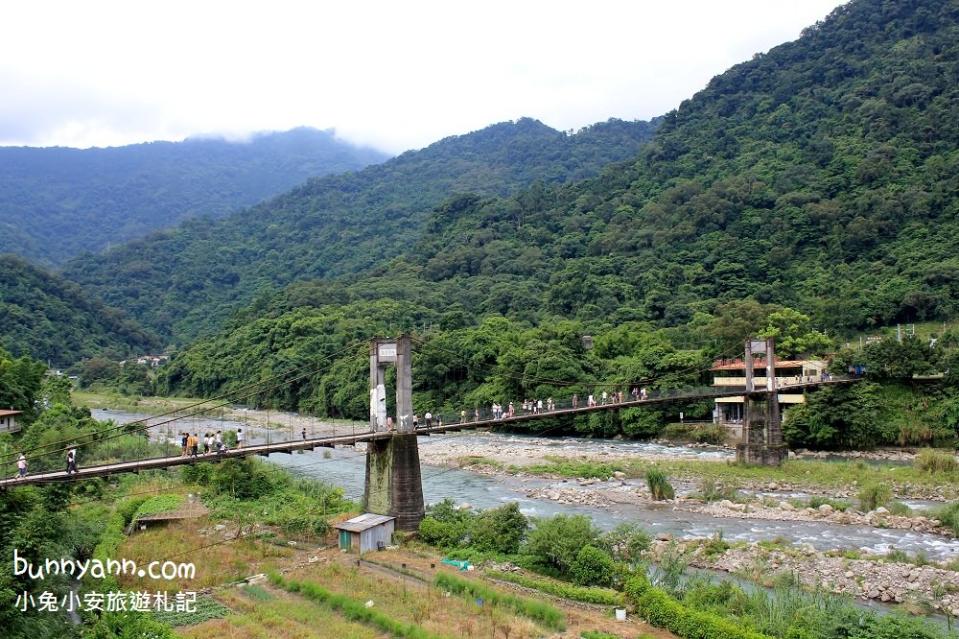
x,y
22,466
72,461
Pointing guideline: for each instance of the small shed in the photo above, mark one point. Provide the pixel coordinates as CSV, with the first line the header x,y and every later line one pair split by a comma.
x,y
8,421
366,532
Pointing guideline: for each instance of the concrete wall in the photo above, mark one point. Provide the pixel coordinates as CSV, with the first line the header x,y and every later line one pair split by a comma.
x,y
393,483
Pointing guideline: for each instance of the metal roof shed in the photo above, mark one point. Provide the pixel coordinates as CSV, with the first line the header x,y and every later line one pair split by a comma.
x,y
366,532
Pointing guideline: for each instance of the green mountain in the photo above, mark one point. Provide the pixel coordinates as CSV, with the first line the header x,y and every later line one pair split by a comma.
x,y
56,203
188,280
822,176
53,320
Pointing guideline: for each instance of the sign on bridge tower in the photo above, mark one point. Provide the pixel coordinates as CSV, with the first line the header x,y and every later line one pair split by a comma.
x,y
762,422
393,483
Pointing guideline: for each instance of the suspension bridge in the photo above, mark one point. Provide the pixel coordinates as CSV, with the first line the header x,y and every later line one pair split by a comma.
x,y
393,483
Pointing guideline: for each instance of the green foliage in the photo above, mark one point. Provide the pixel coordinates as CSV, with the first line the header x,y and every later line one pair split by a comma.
x,y
539,611
661,610
206,608
626,543
500,530
592,595
949,516
127,625
711,490
936,461
352,609
872,496
836,504
593,567
158,504
445,525
554,542
247,490
837,417
175,284
700,433
659,486
45,316
20,383
56,203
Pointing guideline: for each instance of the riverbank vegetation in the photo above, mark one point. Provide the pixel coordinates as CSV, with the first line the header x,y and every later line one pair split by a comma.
x,y
692,606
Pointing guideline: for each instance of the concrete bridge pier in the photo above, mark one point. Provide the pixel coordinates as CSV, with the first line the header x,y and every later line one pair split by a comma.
x,y
393,482
762,443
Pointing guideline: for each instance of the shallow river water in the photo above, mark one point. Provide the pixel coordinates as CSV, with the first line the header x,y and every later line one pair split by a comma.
x,y
345,468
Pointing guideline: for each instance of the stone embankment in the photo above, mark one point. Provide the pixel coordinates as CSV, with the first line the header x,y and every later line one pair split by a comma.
x,y
865,578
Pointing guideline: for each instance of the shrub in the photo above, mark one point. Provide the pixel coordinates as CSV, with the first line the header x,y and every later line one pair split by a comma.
x,y
659,484
663,611
555,541
626,543
872,496
593,567
949,516
541,612
936,461
445,525
899,508
499,530
710,490
593,595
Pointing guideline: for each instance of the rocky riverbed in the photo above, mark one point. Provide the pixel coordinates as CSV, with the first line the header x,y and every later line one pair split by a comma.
x,y
868,578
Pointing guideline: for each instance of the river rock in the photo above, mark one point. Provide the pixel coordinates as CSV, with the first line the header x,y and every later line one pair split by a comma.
x,y
618,474
826,509
785,505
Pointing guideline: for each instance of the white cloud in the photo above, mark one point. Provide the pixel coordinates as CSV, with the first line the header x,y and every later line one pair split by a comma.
x,y
396,75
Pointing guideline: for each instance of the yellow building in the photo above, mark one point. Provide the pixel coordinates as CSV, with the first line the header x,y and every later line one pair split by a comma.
x,y
731,374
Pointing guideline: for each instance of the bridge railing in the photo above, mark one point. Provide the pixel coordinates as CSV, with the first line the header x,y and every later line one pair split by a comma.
x,y
619,397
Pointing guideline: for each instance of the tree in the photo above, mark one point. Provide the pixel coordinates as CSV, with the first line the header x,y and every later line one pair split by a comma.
x,y
555,542
500,530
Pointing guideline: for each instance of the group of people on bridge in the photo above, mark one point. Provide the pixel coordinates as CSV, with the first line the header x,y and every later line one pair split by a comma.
x,y
71,463
191,446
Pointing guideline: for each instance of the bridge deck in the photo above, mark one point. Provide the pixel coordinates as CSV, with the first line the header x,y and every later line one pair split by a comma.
x,y
365,436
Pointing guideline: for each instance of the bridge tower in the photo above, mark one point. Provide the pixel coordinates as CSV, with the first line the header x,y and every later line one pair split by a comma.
x,y
393,483
762,442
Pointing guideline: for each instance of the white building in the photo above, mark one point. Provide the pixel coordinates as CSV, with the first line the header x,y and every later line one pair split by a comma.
x,y
8,421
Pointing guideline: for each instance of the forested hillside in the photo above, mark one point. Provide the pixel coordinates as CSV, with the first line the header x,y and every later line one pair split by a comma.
x,y
53,320
188,280
56,203
814,187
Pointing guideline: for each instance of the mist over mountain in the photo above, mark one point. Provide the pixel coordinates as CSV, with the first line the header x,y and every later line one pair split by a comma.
x,y
58,202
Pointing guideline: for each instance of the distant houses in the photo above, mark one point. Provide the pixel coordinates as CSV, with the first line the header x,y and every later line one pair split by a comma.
x,y
153,361
8,420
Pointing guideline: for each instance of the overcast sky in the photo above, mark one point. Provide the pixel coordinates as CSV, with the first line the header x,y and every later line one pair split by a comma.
x,y
395,75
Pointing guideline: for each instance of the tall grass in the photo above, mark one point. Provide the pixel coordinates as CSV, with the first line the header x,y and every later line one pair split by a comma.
x,y
540,612
659,485
936,461
874,495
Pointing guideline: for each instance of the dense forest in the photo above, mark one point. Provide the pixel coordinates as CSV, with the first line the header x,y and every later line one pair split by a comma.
x,y
187,281
56,203
54,320
802,187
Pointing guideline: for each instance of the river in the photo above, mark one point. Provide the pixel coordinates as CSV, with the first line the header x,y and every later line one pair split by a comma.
x,y
345,468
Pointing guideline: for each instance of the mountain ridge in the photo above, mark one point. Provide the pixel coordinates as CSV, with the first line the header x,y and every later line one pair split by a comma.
x,y
57,202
